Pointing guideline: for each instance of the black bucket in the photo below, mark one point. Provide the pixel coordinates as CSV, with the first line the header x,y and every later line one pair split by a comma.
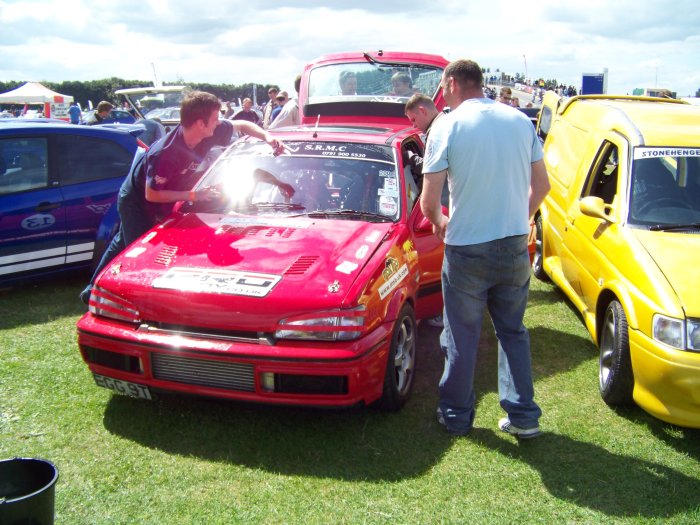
x,y
27,491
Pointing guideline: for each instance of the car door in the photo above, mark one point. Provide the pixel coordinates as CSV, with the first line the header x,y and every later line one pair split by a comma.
x,y
32,216
423,242
588,241
90,171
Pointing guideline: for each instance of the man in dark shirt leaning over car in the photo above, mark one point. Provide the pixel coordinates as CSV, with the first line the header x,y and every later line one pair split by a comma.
x,y
169,170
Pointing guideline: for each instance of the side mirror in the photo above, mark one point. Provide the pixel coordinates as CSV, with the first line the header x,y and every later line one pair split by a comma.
x,y
595,207
422,224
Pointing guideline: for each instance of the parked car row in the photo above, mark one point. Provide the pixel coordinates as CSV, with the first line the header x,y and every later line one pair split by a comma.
x,y
312,297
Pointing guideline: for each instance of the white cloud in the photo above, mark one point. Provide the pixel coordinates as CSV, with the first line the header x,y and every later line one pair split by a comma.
x,y
642,44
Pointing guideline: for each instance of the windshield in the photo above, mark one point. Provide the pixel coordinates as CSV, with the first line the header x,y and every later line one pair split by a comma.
x,y
322,179
363,79
163,103
665,187
171,113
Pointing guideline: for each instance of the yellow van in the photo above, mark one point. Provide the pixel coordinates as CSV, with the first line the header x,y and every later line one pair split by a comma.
x,y
619,233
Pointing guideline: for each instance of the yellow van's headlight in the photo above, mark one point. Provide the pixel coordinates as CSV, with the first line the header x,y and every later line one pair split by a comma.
x,y
684,335
668,331
693,334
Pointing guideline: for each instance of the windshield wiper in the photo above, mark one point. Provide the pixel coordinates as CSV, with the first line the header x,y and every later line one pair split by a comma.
x,y
671,227
379,61
349,213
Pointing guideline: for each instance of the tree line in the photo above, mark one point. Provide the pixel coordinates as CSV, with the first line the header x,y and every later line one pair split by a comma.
x,y
98,90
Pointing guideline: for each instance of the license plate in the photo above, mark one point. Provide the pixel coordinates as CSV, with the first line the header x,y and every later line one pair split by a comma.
x,y
122,387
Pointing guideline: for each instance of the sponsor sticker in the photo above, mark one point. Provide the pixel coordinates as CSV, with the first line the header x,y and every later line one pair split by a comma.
x,y
387,192
390,267
388,206
99,209
148,237
346,267
38,221
373,236
361,252
135,252
393,282
250,284
409,250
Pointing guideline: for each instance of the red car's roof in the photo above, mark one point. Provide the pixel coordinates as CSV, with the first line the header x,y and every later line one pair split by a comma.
x,y
386,56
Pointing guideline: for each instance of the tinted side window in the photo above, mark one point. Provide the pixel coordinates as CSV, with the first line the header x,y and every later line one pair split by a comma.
x,y
22,164
84,159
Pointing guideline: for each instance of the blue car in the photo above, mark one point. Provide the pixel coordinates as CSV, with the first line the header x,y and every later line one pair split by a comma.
x,y
58,190
116,116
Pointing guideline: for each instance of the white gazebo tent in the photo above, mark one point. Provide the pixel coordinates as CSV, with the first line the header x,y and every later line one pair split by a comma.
x,y
55,104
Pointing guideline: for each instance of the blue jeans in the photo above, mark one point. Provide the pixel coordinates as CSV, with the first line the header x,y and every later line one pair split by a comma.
x,y
493,275
135,221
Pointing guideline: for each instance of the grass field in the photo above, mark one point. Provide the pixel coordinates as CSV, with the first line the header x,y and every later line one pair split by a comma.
x,y
181,460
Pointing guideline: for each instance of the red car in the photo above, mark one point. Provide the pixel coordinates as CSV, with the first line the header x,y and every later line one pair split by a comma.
x,y
301,285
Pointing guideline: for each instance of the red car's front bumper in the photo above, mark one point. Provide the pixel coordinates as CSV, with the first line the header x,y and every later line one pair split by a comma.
x,y
287,372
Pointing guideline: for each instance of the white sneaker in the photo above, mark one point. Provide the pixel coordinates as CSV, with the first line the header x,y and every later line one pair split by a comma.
x,y
522,433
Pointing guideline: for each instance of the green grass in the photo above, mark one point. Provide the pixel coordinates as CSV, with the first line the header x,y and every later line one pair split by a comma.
x,y
182,460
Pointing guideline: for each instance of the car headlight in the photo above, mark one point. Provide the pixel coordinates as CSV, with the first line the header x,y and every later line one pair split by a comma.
x,y
684,335
668,331
106,304
693,328
334,325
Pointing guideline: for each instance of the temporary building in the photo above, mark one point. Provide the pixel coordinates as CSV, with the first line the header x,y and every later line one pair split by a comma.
x,y
55,104
32,93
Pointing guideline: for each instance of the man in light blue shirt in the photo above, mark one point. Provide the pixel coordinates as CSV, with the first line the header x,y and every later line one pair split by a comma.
x,y
492,160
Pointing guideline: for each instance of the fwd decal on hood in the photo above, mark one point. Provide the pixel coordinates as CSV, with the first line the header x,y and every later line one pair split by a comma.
x,y
204,280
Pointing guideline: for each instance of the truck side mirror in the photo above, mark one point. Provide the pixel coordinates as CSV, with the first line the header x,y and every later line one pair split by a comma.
x,y
595,207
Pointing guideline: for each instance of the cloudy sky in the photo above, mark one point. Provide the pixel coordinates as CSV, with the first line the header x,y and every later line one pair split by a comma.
x,y
642,43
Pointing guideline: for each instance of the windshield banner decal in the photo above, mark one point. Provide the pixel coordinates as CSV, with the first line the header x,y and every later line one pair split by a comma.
x,y
338,150
650,153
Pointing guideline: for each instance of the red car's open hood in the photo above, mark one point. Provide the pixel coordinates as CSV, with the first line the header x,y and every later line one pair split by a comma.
x,y
241,270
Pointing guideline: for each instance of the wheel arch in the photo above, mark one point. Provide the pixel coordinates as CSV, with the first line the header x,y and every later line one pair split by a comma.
x,y
398,299
611,293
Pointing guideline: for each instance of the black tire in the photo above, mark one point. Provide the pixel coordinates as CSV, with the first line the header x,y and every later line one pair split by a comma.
x,y
401,362
614,365
537,259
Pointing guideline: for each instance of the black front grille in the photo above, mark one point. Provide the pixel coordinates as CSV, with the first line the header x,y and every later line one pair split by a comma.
x,y
203,372
125,363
